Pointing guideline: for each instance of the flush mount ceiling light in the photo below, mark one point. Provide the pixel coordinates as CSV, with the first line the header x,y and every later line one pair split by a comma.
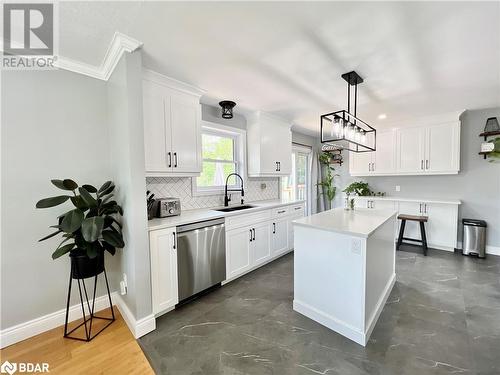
x,y
382,116
227,108
343,129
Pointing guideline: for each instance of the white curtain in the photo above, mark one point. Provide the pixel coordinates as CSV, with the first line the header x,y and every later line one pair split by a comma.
x,y
318,199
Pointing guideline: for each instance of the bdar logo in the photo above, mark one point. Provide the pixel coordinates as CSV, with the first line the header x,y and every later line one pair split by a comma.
x,y
8,368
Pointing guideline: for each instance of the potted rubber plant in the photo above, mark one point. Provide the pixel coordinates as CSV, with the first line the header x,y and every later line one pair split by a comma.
x,y
89,228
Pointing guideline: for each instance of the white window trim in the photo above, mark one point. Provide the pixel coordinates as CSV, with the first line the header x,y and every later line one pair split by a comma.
x,y
239,136
309,152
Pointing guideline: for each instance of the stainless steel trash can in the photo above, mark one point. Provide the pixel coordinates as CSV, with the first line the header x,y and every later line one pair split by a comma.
x,y
474,237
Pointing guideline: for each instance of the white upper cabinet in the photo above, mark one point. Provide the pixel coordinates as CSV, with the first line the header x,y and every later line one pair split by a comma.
x,y
443,148
381,161
269,146
384,159
416,150
410,150
172,127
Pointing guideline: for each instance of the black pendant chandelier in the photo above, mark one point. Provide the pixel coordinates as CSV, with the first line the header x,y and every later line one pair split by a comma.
x,y
343,129
227,108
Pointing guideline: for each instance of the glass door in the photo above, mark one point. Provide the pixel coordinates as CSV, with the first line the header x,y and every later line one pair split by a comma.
x,y
297,185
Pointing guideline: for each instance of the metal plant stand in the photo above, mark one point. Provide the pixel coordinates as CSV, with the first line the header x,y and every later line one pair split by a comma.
x,y
88,327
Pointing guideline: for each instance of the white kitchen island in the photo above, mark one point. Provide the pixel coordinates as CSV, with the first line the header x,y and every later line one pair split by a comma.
x,y
344,268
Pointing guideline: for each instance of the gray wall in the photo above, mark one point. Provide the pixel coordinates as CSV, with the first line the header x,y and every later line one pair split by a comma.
x,y
213,114
304,139
477,185
127,164
53,126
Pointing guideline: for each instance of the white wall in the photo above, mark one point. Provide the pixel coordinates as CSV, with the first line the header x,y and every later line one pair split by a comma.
x,y
124,93
53,126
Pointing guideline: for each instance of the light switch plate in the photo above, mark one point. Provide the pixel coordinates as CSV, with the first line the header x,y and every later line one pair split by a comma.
x,y
398,188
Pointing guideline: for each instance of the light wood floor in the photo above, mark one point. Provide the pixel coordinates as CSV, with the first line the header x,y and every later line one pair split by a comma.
x,y
113,351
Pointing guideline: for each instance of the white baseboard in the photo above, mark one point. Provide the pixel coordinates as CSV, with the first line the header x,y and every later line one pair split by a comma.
x,y
56,319
47,322
330,321
339,326
138,327
493,250
379,307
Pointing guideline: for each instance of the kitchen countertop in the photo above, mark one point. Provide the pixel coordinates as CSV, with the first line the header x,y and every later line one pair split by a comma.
x,y
406,199
193,216
360,222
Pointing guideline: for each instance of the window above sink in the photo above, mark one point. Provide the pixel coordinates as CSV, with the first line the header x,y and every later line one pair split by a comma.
x,y
223,150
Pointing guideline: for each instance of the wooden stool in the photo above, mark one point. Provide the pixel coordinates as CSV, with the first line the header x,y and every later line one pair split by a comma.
x,y
421,220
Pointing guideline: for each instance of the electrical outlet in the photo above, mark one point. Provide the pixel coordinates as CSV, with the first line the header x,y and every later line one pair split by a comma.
x,y
123,288
123,285
398,188
356,246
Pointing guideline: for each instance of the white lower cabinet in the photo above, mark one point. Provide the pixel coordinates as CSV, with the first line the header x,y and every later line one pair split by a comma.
x,y
279,236
440,229
260,249
443,220
238,242
249,246
163,249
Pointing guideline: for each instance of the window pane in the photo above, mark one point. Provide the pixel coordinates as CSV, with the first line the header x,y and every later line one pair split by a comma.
x,y
214,174
215,147
301,166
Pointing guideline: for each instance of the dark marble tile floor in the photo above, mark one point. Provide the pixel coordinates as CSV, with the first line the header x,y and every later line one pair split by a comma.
x,y
443,317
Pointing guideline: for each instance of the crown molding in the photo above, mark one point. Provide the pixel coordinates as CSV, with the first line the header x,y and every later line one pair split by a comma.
x,y
173,83
120,44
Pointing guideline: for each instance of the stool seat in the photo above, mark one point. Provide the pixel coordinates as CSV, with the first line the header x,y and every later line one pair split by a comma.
x,y
423,238
422,219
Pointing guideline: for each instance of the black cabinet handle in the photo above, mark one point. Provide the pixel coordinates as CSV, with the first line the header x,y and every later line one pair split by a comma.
x,y
297,208
175,241
276,166
274,228
251,237
281,212
279,166
169,154
253,234
175,158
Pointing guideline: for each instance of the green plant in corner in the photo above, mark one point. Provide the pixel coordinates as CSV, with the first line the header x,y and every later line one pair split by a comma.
x,y
92,226
327,183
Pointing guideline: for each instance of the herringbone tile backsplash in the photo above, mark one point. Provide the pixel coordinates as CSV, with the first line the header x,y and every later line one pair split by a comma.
x,y
180,187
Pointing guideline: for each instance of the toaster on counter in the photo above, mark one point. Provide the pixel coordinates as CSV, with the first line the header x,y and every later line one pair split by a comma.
x,y
165,207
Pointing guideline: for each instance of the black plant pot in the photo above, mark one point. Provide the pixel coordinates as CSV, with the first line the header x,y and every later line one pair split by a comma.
x,y
83,267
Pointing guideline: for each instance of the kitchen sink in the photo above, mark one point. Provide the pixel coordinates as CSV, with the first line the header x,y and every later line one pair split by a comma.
x,y
235,208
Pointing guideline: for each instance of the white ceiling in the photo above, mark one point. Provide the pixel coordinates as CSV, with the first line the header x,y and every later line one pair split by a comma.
x,y
417,59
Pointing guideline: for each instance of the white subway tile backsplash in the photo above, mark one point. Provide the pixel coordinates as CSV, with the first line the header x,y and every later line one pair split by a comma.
x,y
180,187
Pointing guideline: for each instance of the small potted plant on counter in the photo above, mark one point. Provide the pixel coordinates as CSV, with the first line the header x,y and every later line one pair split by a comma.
x,y
360,189
87,230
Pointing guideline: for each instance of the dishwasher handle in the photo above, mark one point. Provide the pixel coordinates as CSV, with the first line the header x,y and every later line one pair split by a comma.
x,y
199,225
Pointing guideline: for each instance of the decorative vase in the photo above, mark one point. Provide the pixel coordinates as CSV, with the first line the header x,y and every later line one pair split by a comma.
x,y
346,203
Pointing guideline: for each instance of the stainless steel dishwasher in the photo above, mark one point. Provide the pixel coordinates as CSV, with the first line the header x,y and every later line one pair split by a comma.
x,y
201,256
